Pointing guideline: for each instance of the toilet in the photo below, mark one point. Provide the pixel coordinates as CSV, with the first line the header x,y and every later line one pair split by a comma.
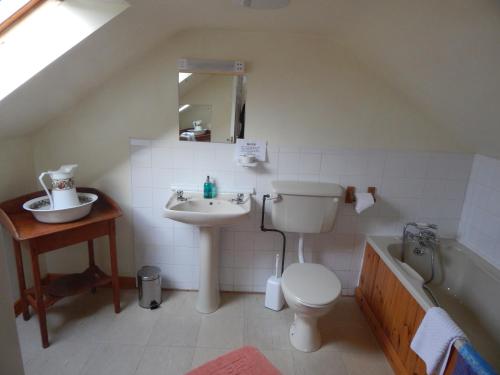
x,y
310,290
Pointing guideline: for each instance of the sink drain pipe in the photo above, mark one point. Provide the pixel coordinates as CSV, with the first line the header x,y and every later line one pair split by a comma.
x,y
264,229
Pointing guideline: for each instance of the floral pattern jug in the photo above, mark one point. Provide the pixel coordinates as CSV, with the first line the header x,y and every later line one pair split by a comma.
x,y
63,193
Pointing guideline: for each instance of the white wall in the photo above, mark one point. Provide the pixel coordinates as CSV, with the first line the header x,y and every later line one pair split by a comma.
x,y
412,186
17,177
302,90
480,222
10,353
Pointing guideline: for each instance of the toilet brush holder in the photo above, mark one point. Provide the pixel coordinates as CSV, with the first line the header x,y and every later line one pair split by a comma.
x,y
274,295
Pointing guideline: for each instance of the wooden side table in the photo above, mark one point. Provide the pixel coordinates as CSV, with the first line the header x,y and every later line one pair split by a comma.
x,y
43,238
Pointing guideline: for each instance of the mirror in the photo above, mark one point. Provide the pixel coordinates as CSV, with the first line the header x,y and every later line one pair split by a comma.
x,y
211,106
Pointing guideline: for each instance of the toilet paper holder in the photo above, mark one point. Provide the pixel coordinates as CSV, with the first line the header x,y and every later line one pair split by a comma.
x,y
350,197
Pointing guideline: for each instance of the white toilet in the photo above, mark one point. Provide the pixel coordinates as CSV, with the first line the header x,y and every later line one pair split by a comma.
x,y
310,290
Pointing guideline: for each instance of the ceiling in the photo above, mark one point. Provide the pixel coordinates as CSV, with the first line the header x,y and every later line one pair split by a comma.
x,y
444,55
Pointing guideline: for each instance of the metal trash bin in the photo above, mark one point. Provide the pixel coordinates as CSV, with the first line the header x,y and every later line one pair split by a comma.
x,y
149,283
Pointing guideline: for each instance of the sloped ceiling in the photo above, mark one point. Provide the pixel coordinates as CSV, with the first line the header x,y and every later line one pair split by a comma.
x,y
443,55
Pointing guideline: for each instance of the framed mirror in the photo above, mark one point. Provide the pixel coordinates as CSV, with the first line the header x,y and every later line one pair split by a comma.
x,y
212,96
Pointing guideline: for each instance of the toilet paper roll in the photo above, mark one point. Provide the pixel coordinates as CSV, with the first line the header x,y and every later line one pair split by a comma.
x,y
363,201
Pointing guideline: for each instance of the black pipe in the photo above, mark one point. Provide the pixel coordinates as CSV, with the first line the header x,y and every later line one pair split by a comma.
x,y
264,229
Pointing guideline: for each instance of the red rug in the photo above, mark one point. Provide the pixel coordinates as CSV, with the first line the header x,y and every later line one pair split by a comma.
x,y
244,361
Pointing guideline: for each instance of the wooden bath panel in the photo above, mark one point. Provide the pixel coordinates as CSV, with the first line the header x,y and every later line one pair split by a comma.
x,y
392,313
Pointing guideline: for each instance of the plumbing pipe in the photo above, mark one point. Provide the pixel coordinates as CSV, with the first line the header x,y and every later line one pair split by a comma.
x,y
301,248
264,229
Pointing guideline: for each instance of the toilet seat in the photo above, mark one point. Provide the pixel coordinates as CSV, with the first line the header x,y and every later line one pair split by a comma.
x,y
311,284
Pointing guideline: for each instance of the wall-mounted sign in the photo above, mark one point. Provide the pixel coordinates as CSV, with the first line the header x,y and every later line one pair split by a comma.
x,y
246,147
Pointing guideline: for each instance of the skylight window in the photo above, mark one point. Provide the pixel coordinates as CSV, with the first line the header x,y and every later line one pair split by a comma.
x,y
184,107
46,34
12,11
183,76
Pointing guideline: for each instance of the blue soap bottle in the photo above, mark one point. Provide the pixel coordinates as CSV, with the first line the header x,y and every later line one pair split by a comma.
x,y
207,188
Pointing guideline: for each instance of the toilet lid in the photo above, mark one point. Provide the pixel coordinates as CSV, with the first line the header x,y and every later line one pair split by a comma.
x,y
311,284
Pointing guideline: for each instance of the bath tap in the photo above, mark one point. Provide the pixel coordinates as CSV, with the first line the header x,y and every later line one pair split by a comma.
x,y
425,237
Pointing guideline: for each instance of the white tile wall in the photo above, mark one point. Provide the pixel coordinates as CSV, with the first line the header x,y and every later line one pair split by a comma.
x,y
410,186
480,222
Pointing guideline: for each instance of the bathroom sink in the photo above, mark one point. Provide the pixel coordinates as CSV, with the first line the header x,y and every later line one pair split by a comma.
x,y
208,215
199,211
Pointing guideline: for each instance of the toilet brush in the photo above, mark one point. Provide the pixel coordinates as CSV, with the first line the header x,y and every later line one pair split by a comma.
x,y
274,295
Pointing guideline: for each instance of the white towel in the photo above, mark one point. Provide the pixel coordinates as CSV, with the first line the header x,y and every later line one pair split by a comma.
x,y
434,339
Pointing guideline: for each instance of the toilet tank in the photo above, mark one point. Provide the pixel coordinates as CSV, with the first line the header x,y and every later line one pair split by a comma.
x,y
305,207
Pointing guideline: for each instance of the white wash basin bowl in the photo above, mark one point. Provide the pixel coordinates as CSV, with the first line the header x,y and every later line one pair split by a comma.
x,y
208,214
199,211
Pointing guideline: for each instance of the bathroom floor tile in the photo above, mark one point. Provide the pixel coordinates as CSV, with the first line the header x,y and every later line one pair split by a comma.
x,y
178,302
318,363
111,359
87,337
231,305
221,332
162,360
373,363
60,359
258,332
281,359
345,310
175,330
254,307
347,337
203,355
132,326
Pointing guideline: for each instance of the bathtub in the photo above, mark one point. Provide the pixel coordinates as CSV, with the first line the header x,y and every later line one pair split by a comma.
x,y
465,285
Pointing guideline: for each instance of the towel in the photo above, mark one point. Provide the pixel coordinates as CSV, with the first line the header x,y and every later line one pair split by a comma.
x,y
469,362
244,361
434,338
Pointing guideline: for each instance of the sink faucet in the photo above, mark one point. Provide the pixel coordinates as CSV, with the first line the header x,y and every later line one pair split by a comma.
x,y
180,196
238,199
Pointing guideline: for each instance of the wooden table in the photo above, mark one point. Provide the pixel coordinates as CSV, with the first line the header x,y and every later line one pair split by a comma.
x,y
43,238
203,137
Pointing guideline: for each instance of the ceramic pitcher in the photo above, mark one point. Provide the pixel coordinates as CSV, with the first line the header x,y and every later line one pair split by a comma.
x,y
63,187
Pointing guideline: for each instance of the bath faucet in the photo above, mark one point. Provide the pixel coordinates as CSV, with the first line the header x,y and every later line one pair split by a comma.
x,y
180,196
425,237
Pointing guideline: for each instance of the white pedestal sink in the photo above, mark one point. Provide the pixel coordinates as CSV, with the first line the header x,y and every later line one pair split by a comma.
x,y
208,215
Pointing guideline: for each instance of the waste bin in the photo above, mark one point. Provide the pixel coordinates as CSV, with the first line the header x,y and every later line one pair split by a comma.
x,y
149,283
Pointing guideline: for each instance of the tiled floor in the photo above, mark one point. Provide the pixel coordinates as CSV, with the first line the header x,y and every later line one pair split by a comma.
x,y
88,338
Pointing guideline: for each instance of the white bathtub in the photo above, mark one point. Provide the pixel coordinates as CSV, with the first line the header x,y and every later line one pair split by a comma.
x,y
465,285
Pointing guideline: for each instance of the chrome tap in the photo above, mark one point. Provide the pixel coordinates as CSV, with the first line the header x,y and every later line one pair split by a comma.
x,y
180,196
238,199
426,242
425,237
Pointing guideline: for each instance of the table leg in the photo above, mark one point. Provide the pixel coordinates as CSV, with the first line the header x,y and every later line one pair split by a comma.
x,y
114,266
21,279
40,305
90,246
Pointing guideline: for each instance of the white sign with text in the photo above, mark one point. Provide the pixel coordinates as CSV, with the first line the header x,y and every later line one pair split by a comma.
x,y
247,147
